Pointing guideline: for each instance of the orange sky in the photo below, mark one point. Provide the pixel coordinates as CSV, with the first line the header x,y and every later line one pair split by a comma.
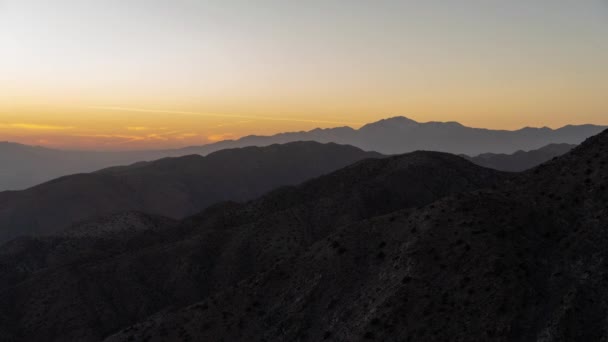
x,y
157,74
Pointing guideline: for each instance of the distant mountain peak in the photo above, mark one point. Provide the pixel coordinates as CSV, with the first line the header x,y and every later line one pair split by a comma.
x,y
394,122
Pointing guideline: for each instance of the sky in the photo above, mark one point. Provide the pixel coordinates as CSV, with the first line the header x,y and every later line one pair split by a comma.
x,y
134,74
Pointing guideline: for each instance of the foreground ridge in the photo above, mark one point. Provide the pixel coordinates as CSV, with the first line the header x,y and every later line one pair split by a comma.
x,y
103,281
523,261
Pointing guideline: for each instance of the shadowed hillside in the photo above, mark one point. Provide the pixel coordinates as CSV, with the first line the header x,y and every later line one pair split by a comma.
x,y
422,246
525,261
152,271
173,187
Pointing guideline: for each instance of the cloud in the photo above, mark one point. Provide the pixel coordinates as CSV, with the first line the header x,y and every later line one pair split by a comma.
x,y
137,128
120,139
252,117
242,122
36,127
111,136
187,135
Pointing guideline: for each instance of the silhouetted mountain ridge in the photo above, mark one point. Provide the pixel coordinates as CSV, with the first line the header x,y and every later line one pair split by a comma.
x,y
216,249
400,134
172,187
520,160
524,260
28,166
423,246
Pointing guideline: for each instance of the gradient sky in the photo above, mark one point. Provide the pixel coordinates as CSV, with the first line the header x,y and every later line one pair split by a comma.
x,y
124,74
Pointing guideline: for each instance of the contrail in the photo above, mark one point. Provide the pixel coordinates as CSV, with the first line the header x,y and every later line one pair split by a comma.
x,y
254,117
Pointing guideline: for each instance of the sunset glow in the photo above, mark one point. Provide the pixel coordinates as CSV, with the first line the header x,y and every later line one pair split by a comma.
x,y
137,74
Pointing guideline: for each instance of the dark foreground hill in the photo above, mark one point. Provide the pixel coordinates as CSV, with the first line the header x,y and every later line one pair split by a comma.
x,y
172,187
525,261
73,293
521,160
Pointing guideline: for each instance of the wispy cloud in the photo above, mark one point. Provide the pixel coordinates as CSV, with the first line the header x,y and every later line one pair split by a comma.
x,y
110,136
121,139
36,127
251,117
186,135
238,123
137,128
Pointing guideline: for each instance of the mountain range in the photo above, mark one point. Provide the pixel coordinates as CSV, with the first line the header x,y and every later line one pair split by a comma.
x,y
524,259
180,186
419,246
108,273
25,166
172,187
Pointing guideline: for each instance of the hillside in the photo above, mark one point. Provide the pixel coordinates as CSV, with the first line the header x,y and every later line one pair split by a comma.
x,y
93,297
525,261
88,240
520,160
172,187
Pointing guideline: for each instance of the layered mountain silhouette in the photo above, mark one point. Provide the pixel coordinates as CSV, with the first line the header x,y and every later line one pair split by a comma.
x,y
520,160
422,246
172,187
401,135
78,286
26,166
525,260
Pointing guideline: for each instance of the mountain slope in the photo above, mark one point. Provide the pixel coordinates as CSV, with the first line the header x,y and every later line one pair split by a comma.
x,y
520,160
218,248
87,240
174,187
526,261
25,166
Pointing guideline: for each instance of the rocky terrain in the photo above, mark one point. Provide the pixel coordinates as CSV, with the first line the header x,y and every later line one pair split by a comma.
x,y
85,287
522,261
172,187
84,241
421,246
